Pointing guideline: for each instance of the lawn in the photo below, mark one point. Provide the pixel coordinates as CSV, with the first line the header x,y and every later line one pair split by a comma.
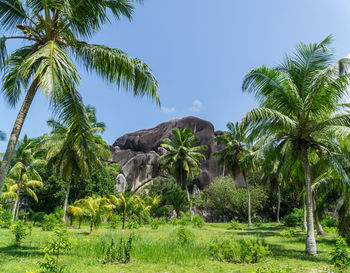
x,y
157,250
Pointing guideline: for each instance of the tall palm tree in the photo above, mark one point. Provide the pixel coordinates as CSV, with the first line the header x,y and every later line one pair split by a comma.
x,y
23,176
94,209
237,155
54,32
75,156
182,158
299,103
123,204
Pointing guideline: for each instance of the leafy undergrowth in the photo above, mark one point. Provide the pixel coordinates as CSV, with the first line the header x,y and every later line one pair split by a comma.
x,y
158,250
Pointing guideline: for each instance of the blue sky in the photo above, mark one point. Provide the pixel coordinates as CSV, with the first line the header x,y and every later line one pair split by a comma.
x,y
199,51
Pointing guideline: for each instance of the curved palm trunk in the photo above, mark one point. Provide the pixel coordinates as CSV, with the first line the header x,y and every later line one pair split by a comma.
x,y
279,203
310,244
66,201
189,201
304,214
5,164
319,227
249,202
124,218
18,200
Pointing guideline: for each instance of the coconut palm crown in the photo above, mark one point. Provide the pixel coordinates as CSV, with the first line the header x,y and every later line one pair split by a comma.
x,y
53,35
300,108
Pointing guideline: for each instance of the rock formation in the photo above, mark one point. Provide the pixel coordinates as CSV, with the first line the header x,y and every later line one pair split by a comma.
x,y
138,153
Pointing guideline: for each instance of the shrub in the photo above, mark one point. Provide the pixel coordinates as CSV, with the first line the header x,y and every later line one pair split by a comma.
x,y
184,219
52,249
118,253
154,223
198,221
184,235
115,221
30,228
162,220
132,223
239,251
5,218
333,230
174,221
50,221
234,225
289,233
294,219
341,256
19,230
257,221
329,221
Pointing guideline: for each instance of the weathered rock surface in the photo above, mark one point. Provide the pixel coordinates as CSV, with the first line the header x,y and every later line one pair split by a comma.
x,y
138,153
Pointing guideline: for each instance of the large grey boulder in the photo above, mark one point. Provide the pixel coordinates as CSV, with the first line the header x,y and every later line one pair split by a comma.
x,y
138,153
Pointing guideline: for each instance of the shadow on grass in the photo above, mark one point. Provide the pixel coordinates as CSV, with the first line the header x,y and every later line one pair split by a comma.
x,y
20,251
259,234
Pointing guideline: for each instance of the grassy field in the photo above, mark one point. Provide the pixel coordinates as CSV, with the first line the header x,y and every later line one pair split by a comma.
x,y
157,251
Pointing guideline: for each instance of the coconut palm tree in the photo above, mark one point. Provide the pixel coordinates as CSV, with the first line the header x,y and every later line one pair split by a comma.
x,y
94,209
182,158
140,207
76,213
237,155
73,152
299,103
123,204
53,33
23,176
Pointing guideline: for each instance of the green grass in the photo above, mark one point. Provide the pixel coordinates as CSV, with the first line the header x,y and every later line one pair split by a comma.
x,y
157,251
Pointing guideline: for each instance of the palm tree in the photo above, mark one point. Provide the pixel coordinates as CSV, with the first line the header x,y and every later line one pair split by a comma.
x,y
153,203
237,155
23,176
94,209
123,204
140,207
53,32
76,213
299,103
182,158
75,153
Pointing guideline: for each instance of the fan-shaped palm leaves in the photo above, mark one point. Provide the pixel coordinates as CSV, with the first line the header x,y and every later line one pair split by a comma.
x,y
54,32
182,158
74,153
299,108
123,204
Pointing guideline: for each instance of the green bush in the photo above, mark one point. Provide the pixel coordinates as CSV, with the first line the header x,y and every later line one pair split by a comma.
x,y
50,222
257,222
198,221
294,219
184,235
5,218
239,251
268,268
19,230
174,221
154,223
341,256
118,253
132,223
115,221
163,220
30,228
234,225
289,233
329,221
332,230
184,219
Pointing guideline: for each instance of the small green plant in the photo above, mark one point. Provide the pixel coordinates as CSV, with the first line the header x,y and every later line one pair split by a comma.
x,y
184,219
115,221
198,221
118,253
50,222
239,251
132,223
332,230
184,235
341,256
294,219
154,223
257,222
329,221
30,228
174,221
5,218
268,268
19,230
234,225
58,244
163,220
289,233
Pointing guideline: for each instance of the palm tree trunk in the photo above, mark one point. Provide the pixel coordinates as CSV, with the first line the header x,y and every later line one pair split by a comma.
x,y
123,226
310,243
17,202
91,227
189,201
279,203
66,201
249,202
16,130
140,220
304,214
319,227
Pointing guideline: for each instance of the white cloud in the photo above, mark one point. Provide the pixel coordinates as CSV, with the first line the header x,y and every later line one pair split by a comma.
x,y
196,106
169,110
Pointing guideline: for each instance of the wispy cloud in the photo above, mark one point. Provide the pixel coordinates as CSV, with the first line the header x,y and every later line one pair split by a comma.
x,y
196,106
169,110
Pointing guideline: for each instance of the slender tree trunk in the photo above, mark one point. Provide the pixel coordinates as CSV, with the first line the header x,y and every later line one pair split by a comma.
x,y
79,223
18,200
189,201
66,201
123,226
14,209
304,214
5,164
310,243
140,220
91,227
319,227
71,221
249,202
279,203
